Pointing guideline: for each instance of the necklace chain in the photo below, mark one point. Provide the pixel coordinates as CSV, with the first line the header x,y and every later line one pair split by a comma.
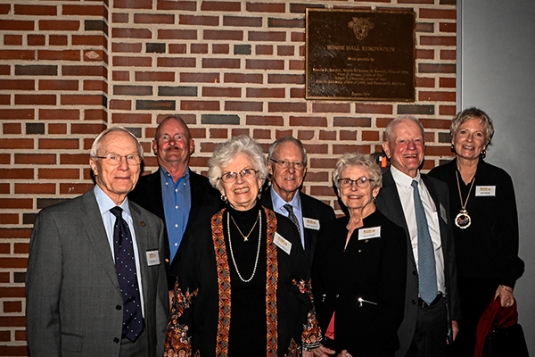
x,y
245,237
257,250
463,206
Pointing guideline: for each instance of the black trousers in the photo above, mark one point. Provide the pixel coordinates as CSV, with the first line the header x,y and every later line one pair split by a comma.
x,y
431,329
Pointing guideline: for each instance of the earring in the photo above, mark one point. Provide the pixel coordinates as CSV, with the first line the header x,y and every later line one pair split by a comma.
x,y
452,148
224,198
483,154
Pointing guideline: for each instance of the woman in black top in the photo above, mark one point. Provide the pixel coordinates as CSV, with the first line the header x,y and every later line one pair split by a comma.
x,y
483,210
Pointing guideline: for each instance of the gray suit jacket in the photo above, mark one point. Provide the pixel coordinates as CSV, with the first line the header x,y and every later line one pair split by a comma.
x,y
389,204
74,303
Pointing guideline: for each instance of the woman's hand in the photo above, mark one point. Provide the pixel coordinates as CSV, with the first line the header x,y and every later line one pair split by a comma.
x,y
506,295
321,351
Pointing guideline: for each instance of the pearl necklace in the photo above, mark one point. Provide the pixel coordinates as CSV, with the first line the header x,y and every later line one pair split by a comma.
x,y
257,250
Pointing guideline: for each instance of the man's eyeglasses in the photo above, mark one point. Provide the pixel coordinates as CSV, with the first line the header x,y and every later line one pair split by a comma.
x,y
284,164
231,176
115,159
361,182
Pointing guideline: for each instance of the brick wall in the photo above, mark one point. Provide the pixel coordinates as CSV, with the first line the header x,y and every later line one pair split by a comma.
x,y
69,69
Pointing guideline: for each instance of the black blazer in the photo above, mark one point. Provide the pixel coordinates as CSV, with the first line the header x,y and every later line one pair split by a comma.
x,y
312,208
389,204
205,201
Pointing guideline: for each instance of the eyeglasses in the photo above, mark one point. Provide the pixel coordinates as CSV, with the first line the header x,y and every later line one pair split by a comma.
x,y
362,182
115,159
231,176
284,164
177,137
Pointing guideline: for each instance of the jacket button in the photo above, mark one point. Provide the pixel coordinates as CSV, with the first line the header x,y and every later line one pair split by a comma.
x,y
414,272
413,301
116,340
337,295
118,307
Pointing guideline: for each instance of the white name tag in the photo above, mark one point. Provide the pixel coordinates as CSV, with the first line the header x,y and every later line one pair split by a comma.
x,y
311,223
153,257
372,232
282,243
486,191
443,214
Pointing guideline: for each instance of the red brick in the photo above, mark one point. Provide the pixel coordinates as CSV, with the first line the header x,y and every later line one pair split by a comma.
x,y
58,144
342,149
425,82
62,84
90,85
370,135
305,134
268,36
74,159
221,6
297,93
448,54
40,10
83,99
327,135
436,96
199,105
177,5
425,27
435,124
264,64
285,50
12,128
252,6
352,122
223,35
238,132
27,188
264,49
131,118
59,114
265,92
448,27
221,63
283,107
449,110
17,84
425,54
220,49
238,106
374,108
221,92
36,40
243,78
5,159
176,62
121,104
9,218
126,47
261,134
17,54
16,144
16,174
264,120
319,107
308,121
447,82
83,70
93,40
317,149
347,135
16,25
55,129
13,40
14,233
43,159
74,188
58,174
58,40
182,48
87,129
85,10
437,14
199,77
286,79
59,25
67,55
154,76
15,203
177,34
198,20
438,41
242,21
122,76
154,19
127,4
95,56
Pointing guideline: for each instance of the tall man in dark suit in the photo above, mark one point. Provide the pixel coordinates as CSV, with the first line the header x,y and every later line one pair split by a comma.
x,y
430,317
287,163
96,283
176,194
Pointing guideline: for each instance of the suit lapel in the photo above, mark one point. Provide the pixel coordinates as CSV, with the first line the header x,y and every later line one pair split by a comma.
x,y
96,233
142,241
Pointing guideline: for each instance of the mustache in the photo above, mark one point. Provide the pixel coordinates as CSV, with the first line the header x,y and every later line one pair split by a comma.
x,y
174,147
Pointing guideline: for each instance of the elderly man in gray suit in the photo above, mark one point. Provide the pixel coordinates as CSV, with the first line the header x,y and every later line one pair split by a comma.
x,y
96,283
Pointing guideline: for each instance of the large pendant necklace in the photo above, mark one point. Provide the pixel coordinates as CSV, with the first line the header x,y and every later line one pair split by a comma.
x,y
257,250
463,220
246,237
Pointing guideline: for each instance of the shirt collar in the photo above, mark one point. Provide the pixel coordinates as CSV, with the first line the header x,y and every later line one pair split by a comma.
x,y
403,180
167,176
278,202
105,203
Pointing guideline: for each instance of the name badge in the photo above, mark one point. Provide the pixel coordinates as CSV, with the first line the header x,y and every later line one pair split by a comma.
x,y
443,214
486,191
282,243
153,257
311,223
372,232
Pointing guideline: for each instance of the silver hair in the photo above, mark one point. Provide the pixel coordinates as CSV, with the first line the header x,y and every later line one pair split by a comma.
x,y
360,160
225,153
390,126
95,148
287,139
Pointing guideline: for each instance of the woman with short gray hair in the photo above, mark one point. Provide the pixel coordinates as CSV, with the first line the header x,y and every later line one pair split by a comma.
x,y
243,288
359,268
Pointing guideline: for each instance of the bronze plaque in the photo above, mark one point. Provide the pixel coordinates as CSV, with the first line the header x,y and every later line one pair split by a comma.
x,y
360,55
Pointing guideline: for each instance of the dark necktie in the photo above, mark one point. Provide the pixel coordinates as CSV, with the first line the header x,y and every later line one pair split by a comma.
x,y
125,265
426,253
293,217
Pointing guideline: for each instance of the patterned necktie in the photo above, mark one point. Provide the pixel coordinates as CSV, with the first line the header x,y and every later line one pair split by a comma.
x,y
426,252
293,217
125,265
